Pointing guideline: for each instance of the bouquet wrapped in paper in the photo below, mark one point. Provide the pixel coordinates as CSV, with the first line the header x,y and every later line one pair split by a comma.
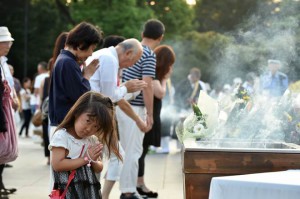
x,y
201,123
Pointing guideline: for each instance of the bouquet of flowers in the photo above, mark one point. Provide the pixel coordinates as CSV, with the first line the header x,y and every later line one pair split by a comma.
x,y
242,97
241,103
194,126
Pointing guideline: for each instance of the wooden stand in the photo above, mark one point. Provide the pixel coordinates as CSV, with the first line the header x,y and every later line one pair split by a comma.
x,y
200,165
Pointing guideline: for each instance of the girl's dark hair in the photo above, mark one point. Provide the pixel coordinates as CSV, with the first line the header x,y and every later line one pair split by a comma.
x,y
102,110
83,36
25,79
165,58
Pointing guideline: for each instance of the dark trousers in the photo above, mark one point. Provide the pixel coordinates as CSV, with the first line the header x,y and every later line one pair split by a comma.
x,y
142,160
46,137
1,172
27,116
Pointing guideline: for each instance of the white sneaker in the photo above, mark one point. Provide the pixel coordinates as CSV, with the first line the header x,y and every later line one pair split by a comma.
x,y
162,150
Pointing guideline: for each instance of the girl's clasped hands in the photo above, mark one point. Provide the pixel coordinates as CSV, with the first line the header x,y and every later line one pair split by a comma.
x,y
93,153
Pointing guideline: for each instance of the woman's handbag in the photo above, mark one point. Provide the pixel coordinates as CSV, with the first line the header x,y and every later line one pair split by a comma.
x,y
37,119
8,139
57,193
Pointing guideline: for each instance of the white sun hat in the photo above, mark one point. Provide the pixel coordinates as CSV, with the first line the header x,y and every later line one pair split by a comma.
x,y
5,34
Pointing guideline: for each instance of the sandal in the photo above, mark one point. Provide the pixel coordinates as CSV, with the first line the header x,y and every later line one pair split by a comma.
x,y
4,191
3,197
149,194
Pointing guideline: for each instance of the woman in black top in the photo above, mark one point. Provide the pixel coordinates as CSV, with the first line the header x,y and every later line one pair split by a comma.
x,y
165,58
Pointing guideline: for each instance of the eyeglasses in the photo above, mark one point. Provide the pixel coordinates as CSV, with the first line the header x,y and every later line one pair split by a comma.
x,y
9,43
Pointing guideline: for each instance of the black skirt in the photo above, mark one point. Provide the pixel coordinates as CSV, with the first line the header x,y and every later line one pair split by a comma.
x,y
154,135
84,185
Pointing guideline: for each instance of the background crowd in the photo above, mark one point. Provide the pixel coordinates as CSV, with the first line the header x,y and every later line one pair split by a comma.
x,y
150,97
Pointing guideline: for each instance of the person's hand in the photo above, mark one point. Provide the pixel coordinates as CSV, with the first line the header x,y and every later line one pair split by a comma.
x,y
90,69
149,121
190,101
135,85
94,151
15,103
168,75
142,125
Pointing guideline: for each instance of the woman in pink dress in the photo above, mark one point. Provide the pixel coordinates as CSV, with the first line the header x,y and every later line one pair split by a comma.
x,y
8,140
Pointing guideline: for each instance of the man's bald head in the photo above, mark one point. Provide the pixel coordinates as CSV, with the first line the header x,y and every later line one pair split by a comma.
x,y
129,52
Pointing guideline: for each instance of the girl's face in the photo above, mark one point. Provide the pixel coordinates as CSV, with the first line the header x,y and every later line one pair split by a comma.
x,y
27,84
85,126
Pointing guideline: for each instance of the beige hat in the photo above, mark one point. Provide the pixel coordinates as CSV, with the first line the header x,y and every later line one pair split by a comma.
x,y
274,61
5,34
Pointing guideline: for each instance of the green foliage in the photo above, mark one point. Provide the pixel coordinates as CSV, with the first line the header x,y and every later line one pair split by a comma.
x,y
44,24
176,15
42,33
200,50
222,16
114,17
220,37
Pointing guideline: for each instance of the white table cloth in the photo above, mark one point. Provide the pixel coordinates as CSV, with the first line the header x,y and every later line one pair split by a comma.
x,y
271,185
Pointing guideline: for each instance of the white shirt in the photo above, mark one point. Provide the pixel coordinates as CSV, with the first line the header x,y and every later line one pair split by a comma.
x,y
7,75
25,102
104,80
203,86
62,138
37,84
39,79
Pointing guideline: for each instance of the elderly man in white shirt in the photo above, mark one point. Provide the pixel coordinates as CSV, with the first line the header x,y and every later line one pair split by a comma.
x,y
111,59
105,81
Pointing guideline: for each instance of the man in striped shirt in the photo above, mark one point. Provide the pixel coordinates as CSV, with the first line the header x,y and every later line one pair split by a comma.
x,y
131,137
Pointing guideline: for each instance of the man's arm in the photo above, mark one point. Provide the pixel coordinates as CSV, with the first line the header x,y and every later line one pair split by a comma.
x,y
126,108
148,100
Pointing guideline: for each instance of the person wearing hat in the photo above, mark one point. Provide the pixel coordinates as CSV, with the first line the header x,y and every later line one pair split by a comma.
x,y
7,125
274,83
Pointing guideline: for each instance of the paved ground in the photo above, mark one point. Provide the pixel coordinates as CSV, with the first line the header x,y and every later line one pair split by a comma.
x,y
30,174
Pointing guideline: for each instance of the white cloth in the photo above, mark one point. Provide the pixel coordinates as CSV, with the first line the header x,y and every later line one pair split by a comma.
x,y
114,167
25,102
37,85
104,80
33,100
39,79
272,185
62,138
203,86
7,74
51,133
131,139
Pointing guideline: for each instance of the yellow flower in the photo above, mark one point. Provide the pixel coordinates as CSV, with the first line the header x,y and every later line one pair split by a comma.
x,y
289,117
246,98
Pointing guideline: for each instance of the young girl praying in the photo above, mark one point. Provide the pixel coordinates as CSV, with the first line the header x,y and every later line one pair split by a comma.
x,y
77,145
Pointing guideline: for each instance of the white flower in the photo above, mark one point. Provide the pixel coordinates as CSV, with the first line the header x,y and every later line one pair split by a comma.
x,y
239,101
198,128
